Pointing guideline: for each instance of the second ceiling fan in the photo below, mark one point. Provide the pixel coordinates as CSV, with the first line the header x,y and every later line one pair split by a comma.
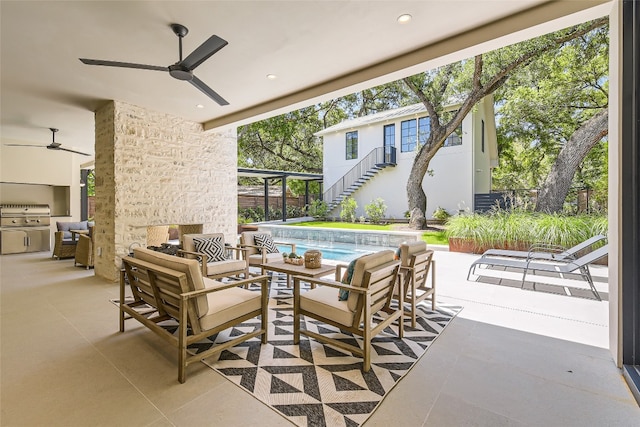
x,y
183,69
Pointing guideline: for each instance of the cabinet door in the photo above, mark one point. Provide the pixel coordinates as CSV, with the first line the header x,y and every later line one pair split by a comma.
x,y
38,240
13,241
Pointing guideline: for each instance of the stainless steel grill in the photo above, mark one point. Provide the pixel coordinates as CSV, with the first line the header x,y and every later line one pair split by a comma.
x,y
24,228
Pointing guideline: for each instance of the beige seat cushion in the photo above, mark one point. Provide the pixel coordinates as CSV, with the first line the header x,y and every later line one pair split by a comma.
x,y
256,259
408,249
364,263
221,267
228,304
324,302
188,266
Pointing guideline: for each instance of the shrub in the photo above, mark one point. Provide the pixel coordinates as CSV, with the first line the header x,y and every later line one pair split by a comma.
x,y
319,209
376,210
348,208
441,214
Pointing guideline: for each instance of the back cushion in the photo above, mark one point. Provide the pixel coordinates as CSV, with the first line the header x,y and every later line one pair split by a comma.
x,y
408,249
66,226
189,266
364,263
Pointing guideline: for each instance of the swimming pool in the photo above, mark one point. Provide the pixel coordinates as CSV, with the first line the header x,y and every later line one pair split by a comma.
x,y
336,253
338,244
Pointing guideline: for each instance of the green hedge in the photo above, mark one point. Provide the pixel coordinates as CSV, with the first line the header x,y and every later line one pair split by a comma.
x,y
520,227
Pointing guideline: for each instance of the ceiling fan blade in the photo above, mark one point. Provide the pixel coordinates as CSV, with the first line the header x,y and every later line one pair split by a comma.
x,y
24,145
73,151
208,91
123,64
203,52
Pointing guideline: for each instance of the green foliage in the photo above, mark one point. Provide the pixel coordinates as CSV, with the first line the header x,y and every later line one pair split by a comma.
x,y
348,207
524,227
441,214
319,209
376,210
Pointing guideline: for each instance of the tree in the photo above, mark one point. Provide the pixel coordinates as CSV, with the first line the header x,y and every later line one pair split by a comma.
x,y
474,80
555,188
541,109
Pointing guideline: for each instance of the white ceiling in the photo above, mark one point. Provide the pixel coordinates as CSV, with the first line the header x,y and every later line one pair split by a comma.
x,y
317,49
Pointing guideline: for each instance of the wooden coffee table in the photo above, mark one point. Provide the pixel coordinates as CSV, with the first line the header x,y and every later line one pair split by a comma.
x,y
299,270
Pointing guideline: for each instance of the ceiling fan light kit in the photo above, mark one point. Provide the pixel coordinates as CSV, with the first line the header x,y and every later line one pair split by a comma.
x,y
183,69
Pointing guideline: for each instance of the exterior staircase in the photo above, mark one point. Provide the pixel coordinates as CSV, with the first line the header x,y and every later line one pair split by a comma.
x,y
378,159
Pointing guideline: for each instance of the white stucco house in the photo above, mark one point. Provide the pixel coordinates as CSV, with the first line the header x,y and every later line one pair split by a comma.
x,y
370,157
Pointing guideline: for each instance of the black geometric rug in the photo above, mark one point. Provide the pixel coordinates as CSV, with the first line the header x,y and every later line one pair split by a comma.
x,y
313,384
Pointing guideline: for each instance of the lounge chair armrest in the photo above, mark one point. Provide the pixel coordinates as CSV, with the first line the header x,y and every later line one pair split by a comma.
x,y
339,268
292,245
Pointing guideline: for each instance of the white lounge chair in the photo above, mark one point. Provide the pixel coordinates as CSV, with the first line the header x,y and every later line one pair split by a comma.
x,y
580,265
545,251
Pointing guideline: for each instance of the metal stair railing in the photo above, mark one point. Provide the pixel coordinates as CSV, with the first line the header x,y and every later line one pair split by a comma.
x,y
377,159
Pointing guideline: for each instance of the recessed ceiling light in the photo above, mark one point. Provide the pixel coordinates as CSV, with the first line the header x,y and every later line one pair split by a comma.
x,y
404,18
199,106
272,76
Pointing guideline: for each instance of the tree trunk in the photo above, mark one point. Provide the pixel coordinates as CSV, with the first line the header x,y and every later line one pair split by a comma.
x,y
556,186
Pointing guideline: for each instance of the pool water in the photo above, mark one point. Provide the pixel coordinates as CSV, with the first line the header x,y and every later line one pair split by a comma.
x,y
343,253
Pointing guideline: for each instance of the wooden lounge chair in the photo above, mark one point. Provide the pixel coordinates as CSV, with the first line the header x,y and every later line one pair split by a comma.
x,y
416,261
548,252
370,291
175,289
218,260
579,265
257,253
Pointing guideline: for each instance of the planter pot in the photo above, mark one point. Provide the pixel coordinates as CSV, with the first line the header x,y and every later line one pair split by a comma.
x,y
247,227
471,247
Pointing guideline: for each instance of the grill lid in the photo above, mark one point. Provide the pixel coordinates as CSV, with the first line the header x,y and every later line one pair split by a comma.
x,y
24,210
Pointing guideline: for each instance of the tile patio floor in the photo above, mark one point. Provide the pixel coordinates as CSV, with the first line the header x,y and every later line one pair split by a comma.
x,y
512,357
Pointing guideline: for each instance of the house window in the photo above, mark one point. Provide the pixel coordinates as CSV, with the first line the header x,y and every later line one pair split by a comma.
x,y
424,129
455,138
408,135
482,137
390,136
352,145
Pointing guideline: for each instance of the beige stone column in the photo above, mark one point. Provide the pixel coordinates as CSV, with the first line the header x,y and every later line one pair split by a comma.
x,y
156,169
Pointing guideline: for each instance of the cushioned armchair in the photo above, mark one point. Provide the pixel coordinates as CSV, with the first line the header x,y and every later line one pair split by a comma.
x,y
84,250
370,290
175,289
65,241
416,261
260,247
218,260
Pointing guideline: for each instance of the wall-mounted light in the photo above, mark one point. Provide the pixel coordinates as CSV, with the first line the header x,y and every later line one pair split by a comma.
x,y
82,184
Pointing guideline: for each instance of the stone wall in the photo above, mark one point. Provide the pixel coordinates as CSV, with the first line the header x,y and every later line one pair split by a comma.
x,y
155,169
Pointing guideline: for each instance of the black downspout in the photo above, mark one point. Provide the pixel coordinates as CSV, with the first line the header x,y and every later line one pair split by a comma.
x,y
84,195
284,198
306,197
266,199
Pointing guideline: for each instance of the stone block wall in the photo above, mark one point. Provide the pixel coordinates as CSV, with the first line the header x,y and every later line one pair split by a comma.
x,y
156,169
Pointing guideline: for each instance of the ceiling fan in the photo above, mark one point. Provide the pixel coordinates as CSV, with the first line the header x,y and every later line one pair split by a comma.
x,y
53,146
183,69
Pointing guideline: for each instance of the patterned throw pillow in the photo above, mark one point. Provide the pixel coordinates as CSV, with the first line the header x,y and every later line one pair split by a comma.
x,y
212,247
265,241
